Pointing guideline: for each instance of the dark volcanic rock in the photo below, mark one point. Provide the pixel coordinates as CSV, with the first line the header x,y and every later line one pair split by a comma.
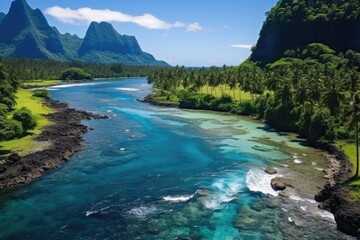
x,y
278,184
270,170
346,209
338,199
64,136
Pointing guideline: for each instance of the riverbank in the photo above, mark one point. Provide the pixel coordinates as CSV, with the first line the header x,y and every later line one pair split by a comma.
x,y
63,138
335,196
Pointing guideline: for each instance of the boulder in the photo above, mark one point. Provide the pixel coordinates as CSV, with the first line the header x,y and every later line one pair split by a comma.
x,y
270,170
283,194
278,184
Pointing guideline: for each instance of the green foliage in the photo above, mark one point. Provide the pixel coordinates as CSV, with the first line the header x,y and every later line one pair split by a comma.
x,y
280,117
41,93
34,69
322,126
308,93
315,50
75,74
26,118
10,129
314,10
3,110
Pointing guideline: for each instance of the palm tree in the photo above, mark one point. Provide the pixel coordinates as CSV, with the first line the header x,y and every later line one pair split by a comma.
x,y
353,115
284,92
334,95
301,95
353,80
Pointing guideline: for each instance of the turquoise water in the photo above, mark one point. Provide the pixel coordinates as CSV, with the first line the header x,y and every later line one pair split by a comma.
x,y
162,173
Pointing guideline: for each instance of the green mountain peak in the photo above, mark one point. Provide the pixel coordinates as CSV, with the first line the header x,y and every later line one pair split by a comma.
x,y
25,32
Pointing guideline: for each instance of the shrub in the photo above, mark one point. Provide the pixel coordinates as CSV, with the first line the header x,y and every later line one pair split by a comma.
x,y
75,74
10,129
41,93
322,126
26,118
3,109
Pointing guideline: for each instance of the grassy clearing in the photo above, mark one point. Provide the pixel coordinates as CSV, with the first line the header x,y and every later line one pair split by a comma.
x,y
350,151
216,92
40,83
27,144
219,90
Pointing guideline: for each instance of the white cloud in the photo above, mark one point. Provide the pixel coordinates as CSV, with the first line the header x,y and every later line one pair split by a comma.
x,y
193,27
84,16
243,46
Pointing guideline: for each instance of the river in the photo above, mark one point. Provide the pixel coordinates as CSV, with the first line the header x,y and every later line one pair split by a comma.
x,y
163,173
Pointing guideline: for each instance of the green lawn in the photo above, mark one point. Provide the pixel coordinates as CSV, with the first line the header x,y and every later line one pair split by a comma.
x,y
27,144
40,83
350,151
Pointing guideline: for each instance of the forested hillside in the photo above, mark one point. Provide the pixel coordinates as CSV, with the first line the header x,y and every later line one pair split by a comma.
x,y
292,25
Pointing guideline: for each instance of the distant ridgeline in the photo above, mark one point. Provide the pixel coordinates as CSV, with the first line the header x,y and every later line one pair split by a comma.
x,y
25,33
294,24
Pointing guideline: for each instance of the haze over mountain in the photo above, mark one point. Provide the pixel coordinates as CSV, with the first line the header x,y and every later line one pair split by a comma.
x,y
25,33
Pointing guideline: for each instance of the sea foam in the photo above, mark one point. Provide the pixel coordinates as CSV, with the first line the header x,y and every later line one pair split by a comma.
x,y
259,181
179,198
222,191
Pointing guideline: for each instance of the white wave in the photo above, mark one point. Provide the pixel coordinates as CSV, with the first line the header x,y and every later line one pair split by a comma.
x,y
304,208
88,213
313,163
297,198
259,181
319,169
222,191
142,212
297,161
326,214
128,89
180,198
77,85
290,219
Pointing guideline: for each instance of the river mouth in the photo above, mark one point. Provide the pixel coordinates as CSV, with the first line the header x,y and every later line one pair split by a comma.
x,y
164,173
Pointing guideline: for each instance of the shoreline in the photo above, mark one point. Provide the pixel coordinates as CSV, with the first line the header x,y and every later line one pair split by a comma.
x,y
65,136
335,197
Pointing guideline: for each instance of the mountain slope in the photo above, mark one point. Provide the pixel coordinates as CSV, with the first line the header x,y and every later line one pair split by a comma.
x,y
295,24
25,32
28,33
103,43
2,15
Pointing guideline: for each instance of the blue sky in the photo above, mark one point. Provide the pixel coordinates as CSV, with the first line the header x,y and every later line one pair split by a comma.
x,y
190,33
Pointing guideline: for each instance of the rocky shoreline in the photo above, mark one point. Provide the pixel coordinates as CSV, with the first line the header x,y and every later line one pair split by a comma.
x,y
64,137
335,197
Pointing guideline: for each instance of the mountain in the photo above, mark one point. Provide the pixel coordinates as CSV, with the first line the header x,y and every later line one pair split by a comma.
x,y
294,24
25,33
2,15
102,43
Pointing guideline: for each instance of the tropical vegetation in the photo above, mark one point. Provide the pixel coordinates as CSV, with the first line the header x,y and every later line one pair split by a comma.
x,y
313,91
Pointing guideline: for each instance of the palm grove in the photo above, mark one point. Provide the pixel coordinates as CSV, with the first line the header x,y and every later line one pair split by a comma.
x,y
313,91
